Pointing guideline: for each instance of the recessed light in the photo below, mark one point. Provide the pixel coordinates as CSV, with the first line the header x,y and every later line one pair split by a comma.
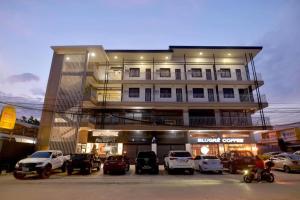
x,y
68,58
166,57
115,57
93,54
142,57
200,53
229,54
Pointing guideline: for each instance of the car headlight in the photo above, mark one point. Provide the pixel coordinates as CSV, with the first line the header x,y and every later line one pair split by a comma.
x,y
17,165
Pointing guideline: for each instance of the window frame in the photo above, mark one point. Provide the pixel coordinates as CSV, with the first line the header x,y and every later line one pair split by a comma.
x,y
193,71
227,96
225,72
133,74
198,95
165,96
169,71
134,96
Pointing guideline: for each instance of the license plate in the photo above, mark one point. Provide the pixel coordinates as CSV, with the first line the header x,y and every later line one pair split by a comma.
x,y
146,167
25,169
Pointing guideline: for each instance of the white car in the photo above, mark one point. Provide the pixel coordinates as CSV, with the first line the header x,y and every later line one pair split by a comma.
x,y
297,153
179,160
205,163
42,163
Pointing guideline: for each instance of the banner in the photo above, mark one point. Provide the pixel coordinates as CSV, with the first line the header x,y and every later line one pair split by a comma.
x,y
8,117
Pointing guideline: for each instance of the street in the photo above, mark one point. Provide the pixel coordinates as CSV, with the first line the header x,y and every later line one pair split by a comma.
x,y
162,186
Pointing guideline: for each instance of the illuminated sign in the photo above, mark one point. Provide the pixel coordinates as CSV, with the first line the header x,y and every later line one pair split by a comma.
x,y
105,133
8,117
220,140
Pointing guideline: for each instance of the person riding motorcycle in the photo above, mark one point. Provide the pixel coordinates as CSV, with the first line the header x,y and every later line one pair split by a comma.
x,y
260,166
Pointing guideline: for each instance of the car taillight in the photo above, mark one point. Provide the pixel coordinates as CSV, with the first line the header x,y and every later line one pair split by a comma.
x,y
173,158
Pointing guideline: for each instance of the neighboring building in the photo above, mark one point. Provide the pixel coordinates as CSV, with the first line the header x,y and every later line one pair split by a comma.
x,y
185,97
282,138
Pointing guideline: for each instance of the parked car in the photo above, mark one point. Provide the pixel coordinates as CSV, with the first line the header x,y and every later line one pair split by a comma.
x,y
179,160
237,160
286,162
116,163
42,163
206,163
268,155
146,161
85,162
297,153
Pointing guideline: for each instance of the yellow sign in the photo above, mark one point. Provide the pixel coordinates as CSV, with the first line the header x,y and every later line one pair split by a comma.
x,y
8,117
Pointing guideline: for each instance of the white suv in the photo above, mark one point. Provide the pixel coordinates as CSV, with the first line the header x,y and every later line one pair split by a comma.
x,y
179,160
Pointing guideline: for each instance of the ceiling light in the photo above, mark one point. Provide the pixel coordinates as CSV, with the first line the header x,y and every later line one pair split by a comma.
x,y
116,57
229,54
93,54
142,57
68,58
200,53
166,57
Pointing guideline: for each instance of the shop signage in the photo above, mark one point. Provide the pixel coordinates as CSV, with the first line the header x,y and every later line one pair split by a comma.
x,y
8,117
220,140
97,133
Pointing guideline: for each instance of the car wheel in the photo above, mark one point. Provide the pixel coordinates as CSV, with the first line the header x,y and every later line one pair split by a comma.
x,y
69,171
170,171
105,172
19,175
287,169
46,172
63,167
220,172
191,171
231,169
156,170
89,170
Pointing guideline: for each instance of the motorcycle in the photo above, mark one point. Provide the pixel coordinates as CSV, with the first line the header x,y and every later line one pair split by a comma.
x,y
266,174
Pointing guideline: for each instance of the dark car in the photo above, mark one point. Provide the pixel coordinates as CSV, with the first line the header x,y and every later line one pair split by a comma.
x,y
146,161
116,163
85,162
237,160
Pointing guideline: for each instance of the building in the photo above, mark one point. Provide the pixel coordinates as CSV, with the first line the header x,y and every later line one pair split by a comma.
x,y
184,97
284,137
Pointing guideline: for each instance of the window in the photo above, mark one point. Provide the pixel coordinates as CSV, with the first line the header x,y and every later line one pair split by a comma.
x,y
165,93
134,92
228,92
225,73
196,72
198,93
134,72
165,72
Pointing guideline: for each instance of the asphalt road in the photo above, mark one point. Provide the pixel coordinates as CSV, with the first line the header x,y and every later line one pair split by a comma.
x,y
143,187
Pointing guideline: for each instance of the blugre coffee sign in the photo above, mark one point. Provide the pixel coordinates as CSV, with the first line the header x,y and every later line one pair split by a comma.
x,y
221,140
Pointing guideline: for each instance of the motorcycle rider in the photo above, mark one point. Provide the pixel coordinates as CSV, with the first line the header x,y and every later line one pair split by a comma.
x,y
260,166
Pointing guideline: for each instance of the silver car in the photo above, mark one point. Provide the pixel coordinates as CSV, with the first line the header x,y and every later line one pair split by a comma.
x,y
286,162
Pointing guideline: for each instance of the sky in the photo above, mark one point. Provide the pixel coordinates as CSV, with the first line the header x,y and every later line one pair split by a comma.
x,y
29,27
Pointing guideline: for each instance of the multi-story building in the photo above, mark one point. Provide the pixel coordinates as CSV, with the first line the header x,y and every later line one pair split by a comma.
x,y
185,97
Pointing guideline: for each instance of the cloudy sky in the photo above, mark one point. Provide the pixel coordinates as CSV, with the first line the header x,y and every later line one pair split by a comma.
x,y
29,27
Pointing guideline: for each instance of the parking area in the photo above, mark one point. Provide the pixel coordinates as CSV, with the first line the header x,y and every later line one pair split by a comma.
x,y
162,186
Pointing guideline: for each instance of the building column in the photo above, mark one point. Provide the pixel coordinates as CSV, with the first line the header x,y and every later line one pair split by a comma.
x,y
186,118
154,147
218,117
188,147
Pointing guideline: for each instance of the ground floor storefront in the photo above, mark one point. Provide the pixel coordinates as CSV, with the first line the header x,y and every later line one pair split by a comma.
x,y
109,142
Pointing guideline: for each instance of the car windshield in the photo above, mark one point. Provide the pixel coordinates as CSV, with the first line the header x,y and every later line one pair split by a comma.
x,y
115,158
209,157
181,154
40,154
294,157
146,155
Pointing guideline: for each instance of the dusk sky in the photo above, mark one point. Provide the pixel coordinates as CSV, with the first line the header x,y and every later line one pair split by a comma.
x,y
29,27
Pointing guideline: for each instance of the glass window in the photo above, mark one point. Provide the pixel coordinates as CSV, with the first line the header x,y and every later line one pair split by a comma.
x,y
196,72
165,92
134,92
165,72
225,73
134,72
198,93
228,92
41,154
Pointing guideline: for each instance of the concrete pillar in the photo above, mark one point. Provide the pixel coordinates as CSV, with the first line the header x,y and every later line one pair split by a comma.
x,y
218,117
186,118
188,147
154,147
